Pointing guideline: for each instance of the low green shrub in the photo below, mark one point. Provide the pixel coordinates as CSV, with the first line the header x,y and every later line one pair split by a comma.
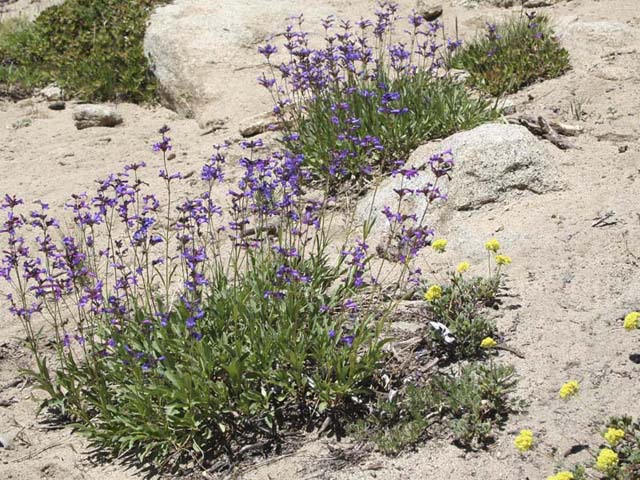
x,y
15,34
460,310
461,328
512,54
92,49
464,401
465,405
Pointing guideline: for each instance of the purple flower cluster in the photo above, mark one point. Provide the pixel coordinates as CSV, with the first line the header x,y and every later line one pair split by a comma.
x,y
119,263
409,229
359,66
348,54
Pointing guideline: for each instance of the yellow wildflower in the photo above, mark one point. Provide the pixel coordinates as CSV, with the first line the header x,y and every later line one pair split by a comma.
x,y
433,293
462,267
562,476
439,245
524,441
613,436
492,245
631,320
488,342
569,389
607,460
503,259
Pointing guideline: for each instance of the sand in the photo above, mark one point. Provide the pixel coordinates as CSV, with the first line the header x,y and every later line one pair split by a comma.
x,y
570,284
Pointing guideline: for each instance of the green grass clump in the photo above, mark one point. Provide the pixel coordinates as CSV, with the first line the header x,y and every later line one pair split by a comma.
x,y
513,54
94,50
262,366
435,108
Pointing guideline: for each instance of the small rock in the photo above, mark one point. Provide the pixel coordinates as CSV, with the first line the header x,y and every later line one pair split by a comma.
x,y
566,129
495,3
258,124
457,75
6,442
214,125
537,3
617,136
52,93
623,148
428,11
59,105
86,116
508,107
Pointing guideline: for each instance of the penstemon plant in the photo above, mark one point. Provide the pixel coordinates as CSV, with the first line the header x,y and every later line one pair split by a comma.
x,y
184,329
364,100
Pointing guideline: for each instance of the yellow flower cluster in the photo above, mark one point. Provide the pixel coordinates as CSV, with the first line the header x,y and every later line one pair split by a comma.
x,y
613,436
433,293
562,476
569,389
503,259
631,320
488,342
607,460
462,267
492,245
439,245
524,441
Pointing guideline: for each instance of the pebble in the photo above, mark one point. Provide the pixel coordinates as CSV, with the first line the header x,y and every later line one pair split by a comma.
x,y
258,124
6,442
88,115
429,12
52,93
59,105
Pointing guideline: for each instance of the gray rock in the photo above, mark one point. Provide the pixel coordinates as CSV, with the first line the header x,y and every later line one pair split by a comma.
x,y
429,10
509,3
538,3
52,93
59,105
458,75
88,115
204,53
494,3
258,124
492,161
6,442
603,33
508,107
27,9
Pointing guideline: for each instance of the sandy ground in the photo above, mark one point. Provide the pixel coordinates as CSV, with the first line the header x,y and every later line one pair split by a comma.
x,y
569,286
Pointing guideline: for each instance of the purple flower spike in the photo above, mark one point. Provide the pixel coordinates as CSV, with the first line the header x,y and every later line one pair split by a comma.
x,y
267,50
350,305
348,340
